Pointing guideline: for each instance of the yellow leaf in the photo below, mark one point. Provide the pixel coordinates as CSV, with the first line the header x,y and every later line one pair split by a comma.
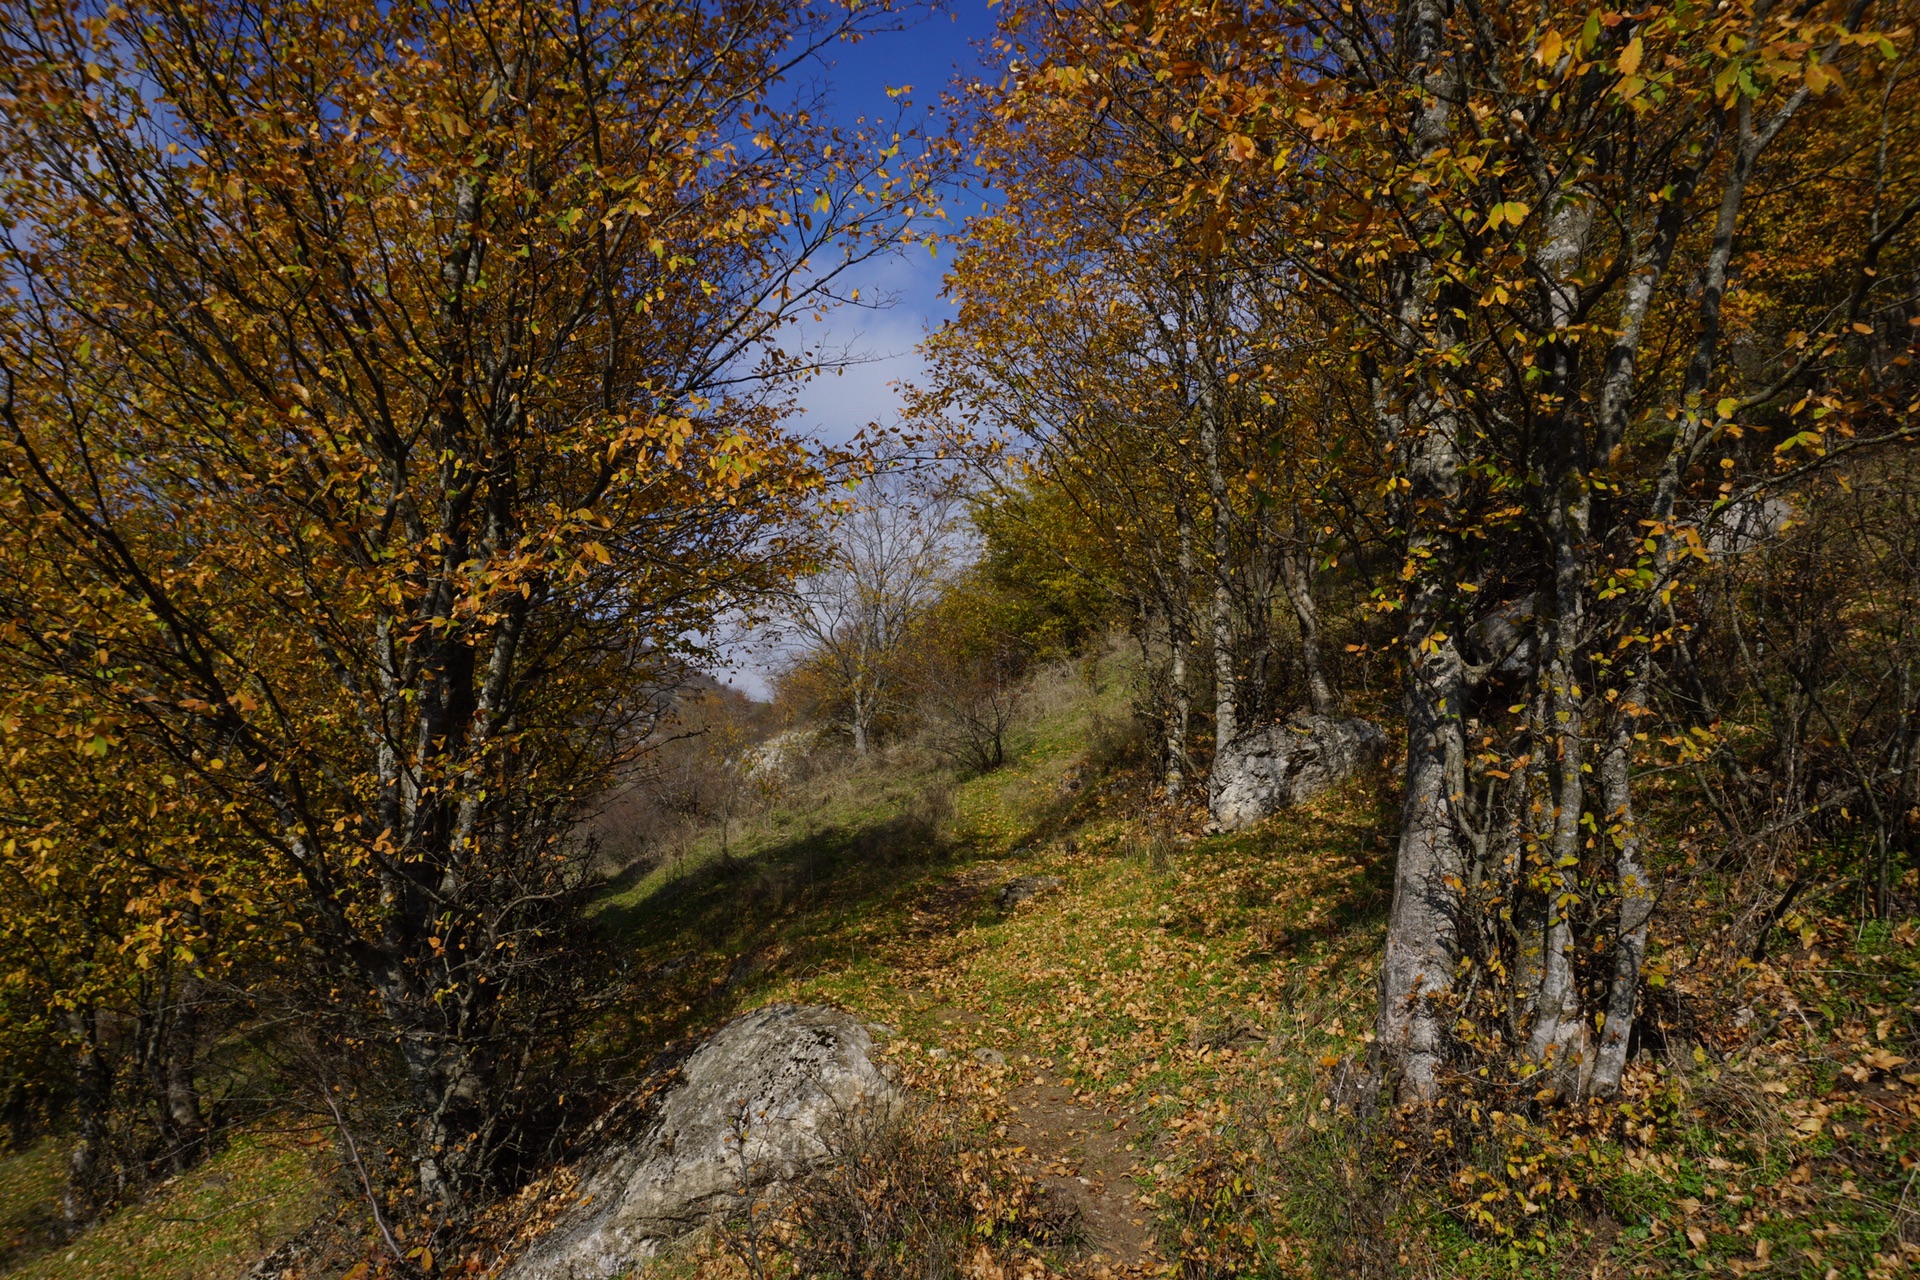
x,y
1511,212
1550,47
1630,57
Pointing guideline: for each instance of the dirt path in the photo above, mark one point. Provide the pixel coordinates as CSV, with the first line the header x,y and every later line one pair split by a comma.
x,y
951,901
1080,1154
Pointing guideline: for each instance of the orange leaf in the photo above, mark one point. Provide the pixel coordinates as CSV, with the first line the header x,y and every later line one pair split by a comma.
x,y
1821,77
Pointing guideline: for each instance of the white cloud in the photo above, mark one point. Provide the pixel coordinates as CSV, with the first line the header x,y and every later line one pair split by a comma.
x,y
883,340
899,304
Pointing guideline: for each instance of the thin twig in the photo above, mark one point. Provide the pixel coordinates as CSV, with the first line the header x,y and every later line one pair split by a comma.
x,y
366,1183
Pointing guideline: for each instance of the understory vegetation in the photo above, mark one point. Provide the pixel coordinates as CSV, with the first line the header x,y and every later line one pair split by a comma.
x,y
1213,993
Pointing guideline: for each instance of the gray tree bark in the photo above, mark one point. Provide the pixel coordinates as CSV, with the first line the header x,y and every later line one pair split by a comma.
x,y
1559,1028
1422,950
1296,576
1180,640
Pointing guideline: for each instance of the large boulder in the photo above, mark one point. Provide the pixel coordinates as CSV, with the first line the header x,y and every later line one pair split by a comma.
x,y
758,1107
1020,888
1277,766
1746,525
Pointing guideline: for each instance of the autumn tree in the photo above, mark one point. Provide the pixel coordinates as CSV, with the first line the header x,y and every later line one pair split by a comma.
x,y
1572,262
890,552
126,923
1112,348
389,391
966,672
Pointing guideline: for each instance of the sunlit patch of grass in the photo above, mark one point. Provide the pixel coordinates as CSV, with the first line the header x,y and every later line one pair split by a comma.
x,y
1173,978
213,1222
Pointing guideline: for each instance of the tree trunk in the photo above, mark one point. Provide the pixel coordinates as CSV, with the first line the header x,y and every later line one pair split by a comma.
x,y
1635,891
1226,684
1422,945
1296,575
1559,1029
447,1093
1180,640
1526,917
180,1092
858,722
1637,899
87,1162
1422,949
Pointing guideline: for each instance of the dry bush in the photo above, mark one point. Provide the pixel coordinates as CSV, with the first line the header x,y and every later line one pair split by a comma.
x,y
904,1200
1057,689
967,707
694,774
893,1204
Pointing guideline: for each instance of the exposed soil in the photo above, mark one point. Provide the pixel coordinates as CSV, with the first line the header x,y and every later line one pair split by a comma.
x,y
951,902
1080,1154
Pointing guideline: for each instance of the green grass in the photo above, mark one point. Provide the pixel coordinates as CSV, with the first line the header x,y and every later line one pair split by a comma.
x,y
1177,978
30,1183
211,1223
824,882
1216,988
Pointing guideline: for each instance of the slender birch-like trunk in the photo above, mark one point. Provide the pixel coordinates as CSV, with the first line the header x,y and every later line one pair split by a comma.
x,y
1296,577
1180,641
1558,1032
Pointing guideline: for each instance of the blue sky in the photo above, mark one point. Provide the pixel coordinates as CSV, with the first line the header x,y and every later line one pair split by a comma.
x,y
834,408
926,56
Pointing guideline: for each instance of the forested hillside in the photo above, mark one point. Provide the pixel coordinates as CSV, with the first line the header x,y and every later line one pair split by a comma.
x,y
1363,719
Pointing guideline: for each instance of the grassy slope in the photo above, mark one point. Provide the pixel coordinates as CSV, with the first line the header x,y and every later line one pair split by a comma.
x,y
1217,987
206,1225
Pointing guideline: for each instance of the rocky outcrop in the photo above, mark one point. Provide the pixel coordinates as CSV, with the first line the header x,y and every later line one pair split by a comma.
x,y
1018,890
758,1107
1277,766
782,760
